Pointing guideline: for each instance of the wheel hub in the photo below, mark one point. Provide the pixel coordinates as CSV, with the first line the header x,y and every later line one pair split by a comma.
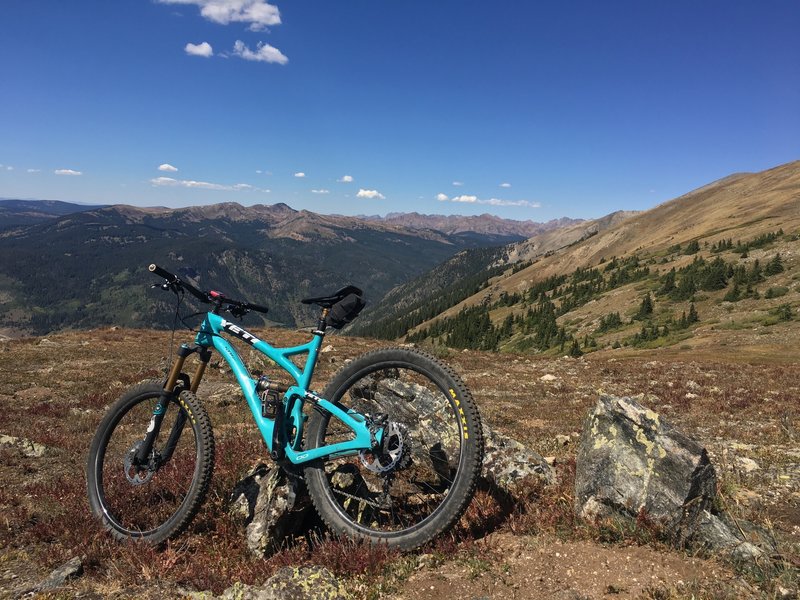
x,y
136,474
394,452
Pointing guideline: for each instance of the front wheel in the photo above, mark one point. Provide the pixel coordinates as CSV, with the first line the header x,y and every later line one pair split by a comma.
x,y
154,501
418,481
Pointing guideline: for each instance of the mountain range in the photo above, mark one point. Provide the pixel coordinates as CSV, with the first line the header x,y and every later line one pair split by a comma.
x,y
66,265
718,264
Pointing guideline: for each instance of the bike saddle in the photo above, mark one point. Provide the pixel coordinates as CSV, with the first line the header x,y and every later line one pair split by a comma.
x,y
329,301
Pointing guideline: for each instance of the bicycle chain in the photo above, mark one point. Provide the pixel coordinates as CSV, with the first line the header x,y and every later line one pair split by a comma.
x,y
358,498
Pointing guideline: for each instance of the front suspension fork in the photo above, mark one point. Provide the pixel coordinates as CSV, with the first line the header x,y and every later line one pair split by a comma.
x,y
168,394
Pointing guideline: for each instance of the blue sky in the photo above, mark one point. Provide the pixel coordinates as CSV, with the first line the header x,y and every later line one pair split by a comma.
x,y
527,110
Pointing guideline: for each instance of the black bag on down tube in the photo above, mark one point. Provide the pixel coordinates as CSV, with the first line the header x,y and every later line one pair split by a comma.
x,y
345,311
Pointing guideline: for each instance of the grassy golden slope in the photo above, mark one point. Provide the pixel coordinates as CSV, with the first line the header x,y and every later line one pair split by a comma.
x,y
740,207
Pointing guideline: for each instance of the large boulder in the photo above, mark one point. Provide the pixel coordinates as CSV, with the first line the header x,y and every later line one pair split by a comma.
x,y
272,505
632,463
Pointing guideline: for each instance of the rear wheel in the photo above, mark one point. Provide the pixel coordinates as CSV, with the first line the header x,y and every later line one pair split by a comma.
x,y
154,501
420,480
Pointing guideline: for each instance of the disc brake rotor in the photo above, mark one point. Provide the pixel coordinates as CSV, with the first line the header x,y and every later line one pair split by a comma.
x,y
135,474
396,451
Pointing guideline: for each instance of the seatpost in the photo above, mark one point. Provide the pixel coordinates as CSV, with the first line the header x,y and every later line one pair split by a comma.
x,y
321,324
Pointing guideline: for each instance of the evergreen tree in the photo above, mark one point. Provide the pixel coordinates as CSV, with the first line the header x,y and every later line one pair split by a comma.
x,y
575,351
734,294
692,247
774,266
714,276
693,316
645,309
667,283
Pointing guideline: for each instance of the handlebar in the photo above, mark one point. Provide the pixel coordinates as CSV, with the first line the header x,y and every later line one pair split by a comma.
x,y
208,297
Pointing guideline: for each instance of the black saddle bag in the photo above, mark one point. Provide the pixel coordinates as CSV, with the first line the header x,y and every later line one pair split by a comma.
x,y
344,311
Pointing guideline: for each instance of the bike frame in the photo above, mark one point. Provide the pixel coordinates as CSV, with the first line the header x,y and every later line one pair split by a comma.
x,y
284,434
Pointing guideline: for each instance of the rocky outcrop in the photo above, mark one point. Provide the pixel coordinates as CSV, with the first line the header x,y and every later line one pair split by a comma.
x,y
289,583
631,464
272,505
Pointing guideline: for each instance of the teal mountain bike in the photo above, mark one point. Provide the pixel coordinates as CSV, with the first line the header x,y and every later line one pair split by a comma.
x,y
390,451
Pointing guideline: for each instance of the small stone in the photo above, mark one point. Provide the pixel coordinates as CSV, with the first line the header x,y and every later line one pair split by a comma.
x,y
548,377
748,465
562,440
327,348
27,447
72,568
426,561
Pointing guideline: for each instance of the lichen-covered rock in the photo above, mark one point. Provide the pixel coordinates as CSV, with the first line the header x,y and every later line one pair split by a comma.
x,y
291,583
716,534
630,461
70,569
26,447
272,506
507,461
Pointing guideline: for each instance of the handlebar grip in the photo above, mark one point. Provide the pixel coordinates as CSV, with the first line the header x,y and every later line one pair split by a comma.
x,y
257,308
161,272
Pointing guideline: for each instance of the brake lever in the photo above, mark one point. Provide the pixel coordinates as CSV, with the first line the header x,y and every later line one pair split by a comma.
x,y
166,286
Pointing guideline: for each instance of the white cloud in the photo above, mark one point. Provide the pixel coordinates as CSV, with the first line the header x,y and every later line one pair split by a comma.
x,y
320,191
505,185
67,172
346,179
262,53
204,49
498,202
204,185
442,197
468,199
458,183
34,170
258,13
299,174
9,168
167,167
371,194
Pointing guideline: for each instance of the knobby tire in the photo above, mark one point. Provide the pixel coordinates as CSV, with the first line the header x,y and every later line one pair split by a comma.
x,y
161,507
431,485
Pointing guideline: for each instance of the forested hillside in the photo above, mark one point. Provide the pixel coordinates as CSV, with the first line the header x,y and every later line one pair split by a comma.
x,y
719,266
88,268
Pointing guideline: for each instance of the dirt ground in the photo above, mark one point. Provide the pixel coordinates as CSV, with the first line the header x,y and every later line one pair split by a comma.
x,y
54,390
